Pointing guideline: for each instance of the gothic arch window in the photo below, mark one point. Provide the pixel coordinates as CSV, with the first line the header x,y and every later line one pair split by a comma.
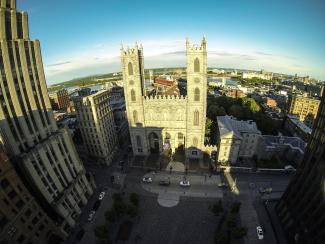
x,y
130,68
195,142
196,65
135,116
138,139
132,95
197,94
131,82
196,117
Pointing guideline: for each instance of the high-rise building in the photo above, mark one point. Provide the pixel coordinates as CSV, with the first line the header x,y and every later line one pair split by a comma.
x,y
302,206
96,123
60,99
22,220
305,107
166,122
43,153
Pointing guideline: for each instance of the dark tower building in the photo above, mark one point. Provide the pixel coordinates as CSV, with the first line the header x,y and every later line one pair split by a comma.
x,y
302,207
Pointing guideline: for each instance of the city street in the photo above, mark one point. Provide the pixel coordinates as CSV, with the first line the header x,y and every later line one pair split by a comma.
x,y
167,210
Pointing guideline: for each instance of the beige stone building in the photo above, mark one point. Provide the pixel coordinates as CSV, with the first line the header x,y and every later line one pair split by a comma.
x,y
161,122
236,139
22,220
96,123
305,107
44,153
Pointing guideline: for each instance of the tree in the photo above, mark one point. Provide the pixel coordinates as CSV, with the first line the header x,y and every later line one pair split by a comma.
x,y
217,208
101,232
239,232
134,199
132,211
235,207
111,216
208,125
236,111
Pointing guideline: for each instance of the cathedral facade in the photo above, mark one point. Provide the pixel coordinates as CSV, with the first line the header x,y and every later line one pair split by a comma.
x,y
159,122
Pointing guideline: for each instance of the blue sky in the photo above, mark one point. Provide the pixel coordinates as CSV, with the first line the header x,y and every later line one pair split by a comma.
x,y
80,37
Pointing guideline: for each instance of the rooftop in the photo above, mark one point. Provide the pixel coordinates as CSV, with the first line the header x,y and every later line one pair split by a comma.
x,y
230,125
299,123
293,142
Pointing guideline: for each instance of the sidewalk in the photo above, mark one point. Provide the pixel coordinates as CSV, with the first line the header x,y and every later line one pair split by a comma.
x,y
275,222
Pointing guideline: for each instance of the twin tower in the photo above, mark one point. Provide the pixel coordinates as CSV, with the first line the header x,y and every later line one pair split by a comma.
x,y
160,123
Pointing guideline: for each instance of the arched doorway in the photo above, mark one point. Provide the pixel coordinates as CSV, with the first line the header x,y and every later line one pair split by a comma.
x,y
167,141
153,142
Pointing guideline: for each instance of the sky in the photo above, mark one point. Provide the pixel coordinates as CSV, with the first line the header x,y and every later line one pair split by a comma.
x,y
80,38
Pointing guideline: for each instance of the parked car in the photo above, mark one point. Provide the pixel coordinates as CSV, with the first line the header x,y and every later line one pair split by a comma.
x,y
289,168
147,179
263,190
91,215
164,182
101,195
185,183
223,184
259,232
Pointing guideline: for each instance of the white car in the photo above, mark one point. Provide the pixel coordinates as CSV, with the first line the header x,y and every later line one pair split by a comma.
x,y
259,232
289,168
101,195
91,215
147,179
184,183
223,184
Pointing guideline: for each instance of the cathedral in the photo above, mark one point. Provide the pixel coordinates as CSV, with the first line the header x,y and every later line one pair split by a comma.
x,y
166,122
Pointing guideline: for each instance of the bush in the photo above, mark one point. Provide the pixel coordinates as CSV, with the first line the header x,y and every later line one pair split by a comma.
x,y
134,199
101,232
235,207
119,207
239,232
231,221
111,216
132,211
217,208
117,197
222,238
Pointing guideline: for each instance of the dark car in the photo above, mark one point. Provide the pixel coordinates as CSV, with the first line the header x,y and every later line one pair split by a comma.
x,y
164,182
80,234
96,205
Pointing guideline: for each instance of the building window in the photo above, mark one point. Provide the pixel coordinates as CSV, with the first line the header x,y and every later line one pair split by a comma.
x,y
180,136
196,65
130,68
131,82
196,117
135,116
138,139
132,95
197,94
4,183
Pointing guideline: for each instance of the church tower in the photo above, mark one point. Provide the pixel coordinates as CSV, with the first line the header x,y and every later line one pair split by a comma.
x,y
196,97
133,77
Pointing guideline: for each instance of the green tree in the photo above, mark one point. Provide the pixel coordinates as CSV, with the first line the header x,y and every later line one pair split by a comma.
x,y
239,232
236,111
101,232
132,211
217,208
208,125
134,199
111,216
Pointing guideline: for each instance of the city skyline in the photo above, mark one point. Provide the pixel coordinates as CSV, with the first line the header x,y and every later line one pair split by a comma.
x,y
279,36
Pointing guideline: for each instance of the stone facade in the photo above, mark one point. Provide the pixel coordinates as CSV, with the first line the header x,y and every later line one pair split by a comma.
x,y
96,123
166,122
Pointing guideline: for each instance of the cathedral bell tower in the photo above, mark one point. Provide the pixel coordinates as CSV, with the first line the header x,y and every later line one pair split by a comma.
x,y
196,97
134,88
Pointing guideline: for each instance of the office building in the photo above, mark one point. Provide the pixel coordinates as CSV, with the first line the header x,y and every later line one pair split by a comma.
x,y
60,99
22,220
43,153
302,206
96,123
305,107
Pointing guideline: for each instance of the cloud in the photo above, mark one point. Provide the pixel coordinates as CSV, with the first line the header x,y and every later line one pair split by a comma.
x,y
58,64
104,58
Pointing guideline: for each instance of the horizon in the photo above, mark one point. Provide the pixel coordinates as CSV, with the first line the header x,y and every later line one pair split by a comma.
x,y
280,37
